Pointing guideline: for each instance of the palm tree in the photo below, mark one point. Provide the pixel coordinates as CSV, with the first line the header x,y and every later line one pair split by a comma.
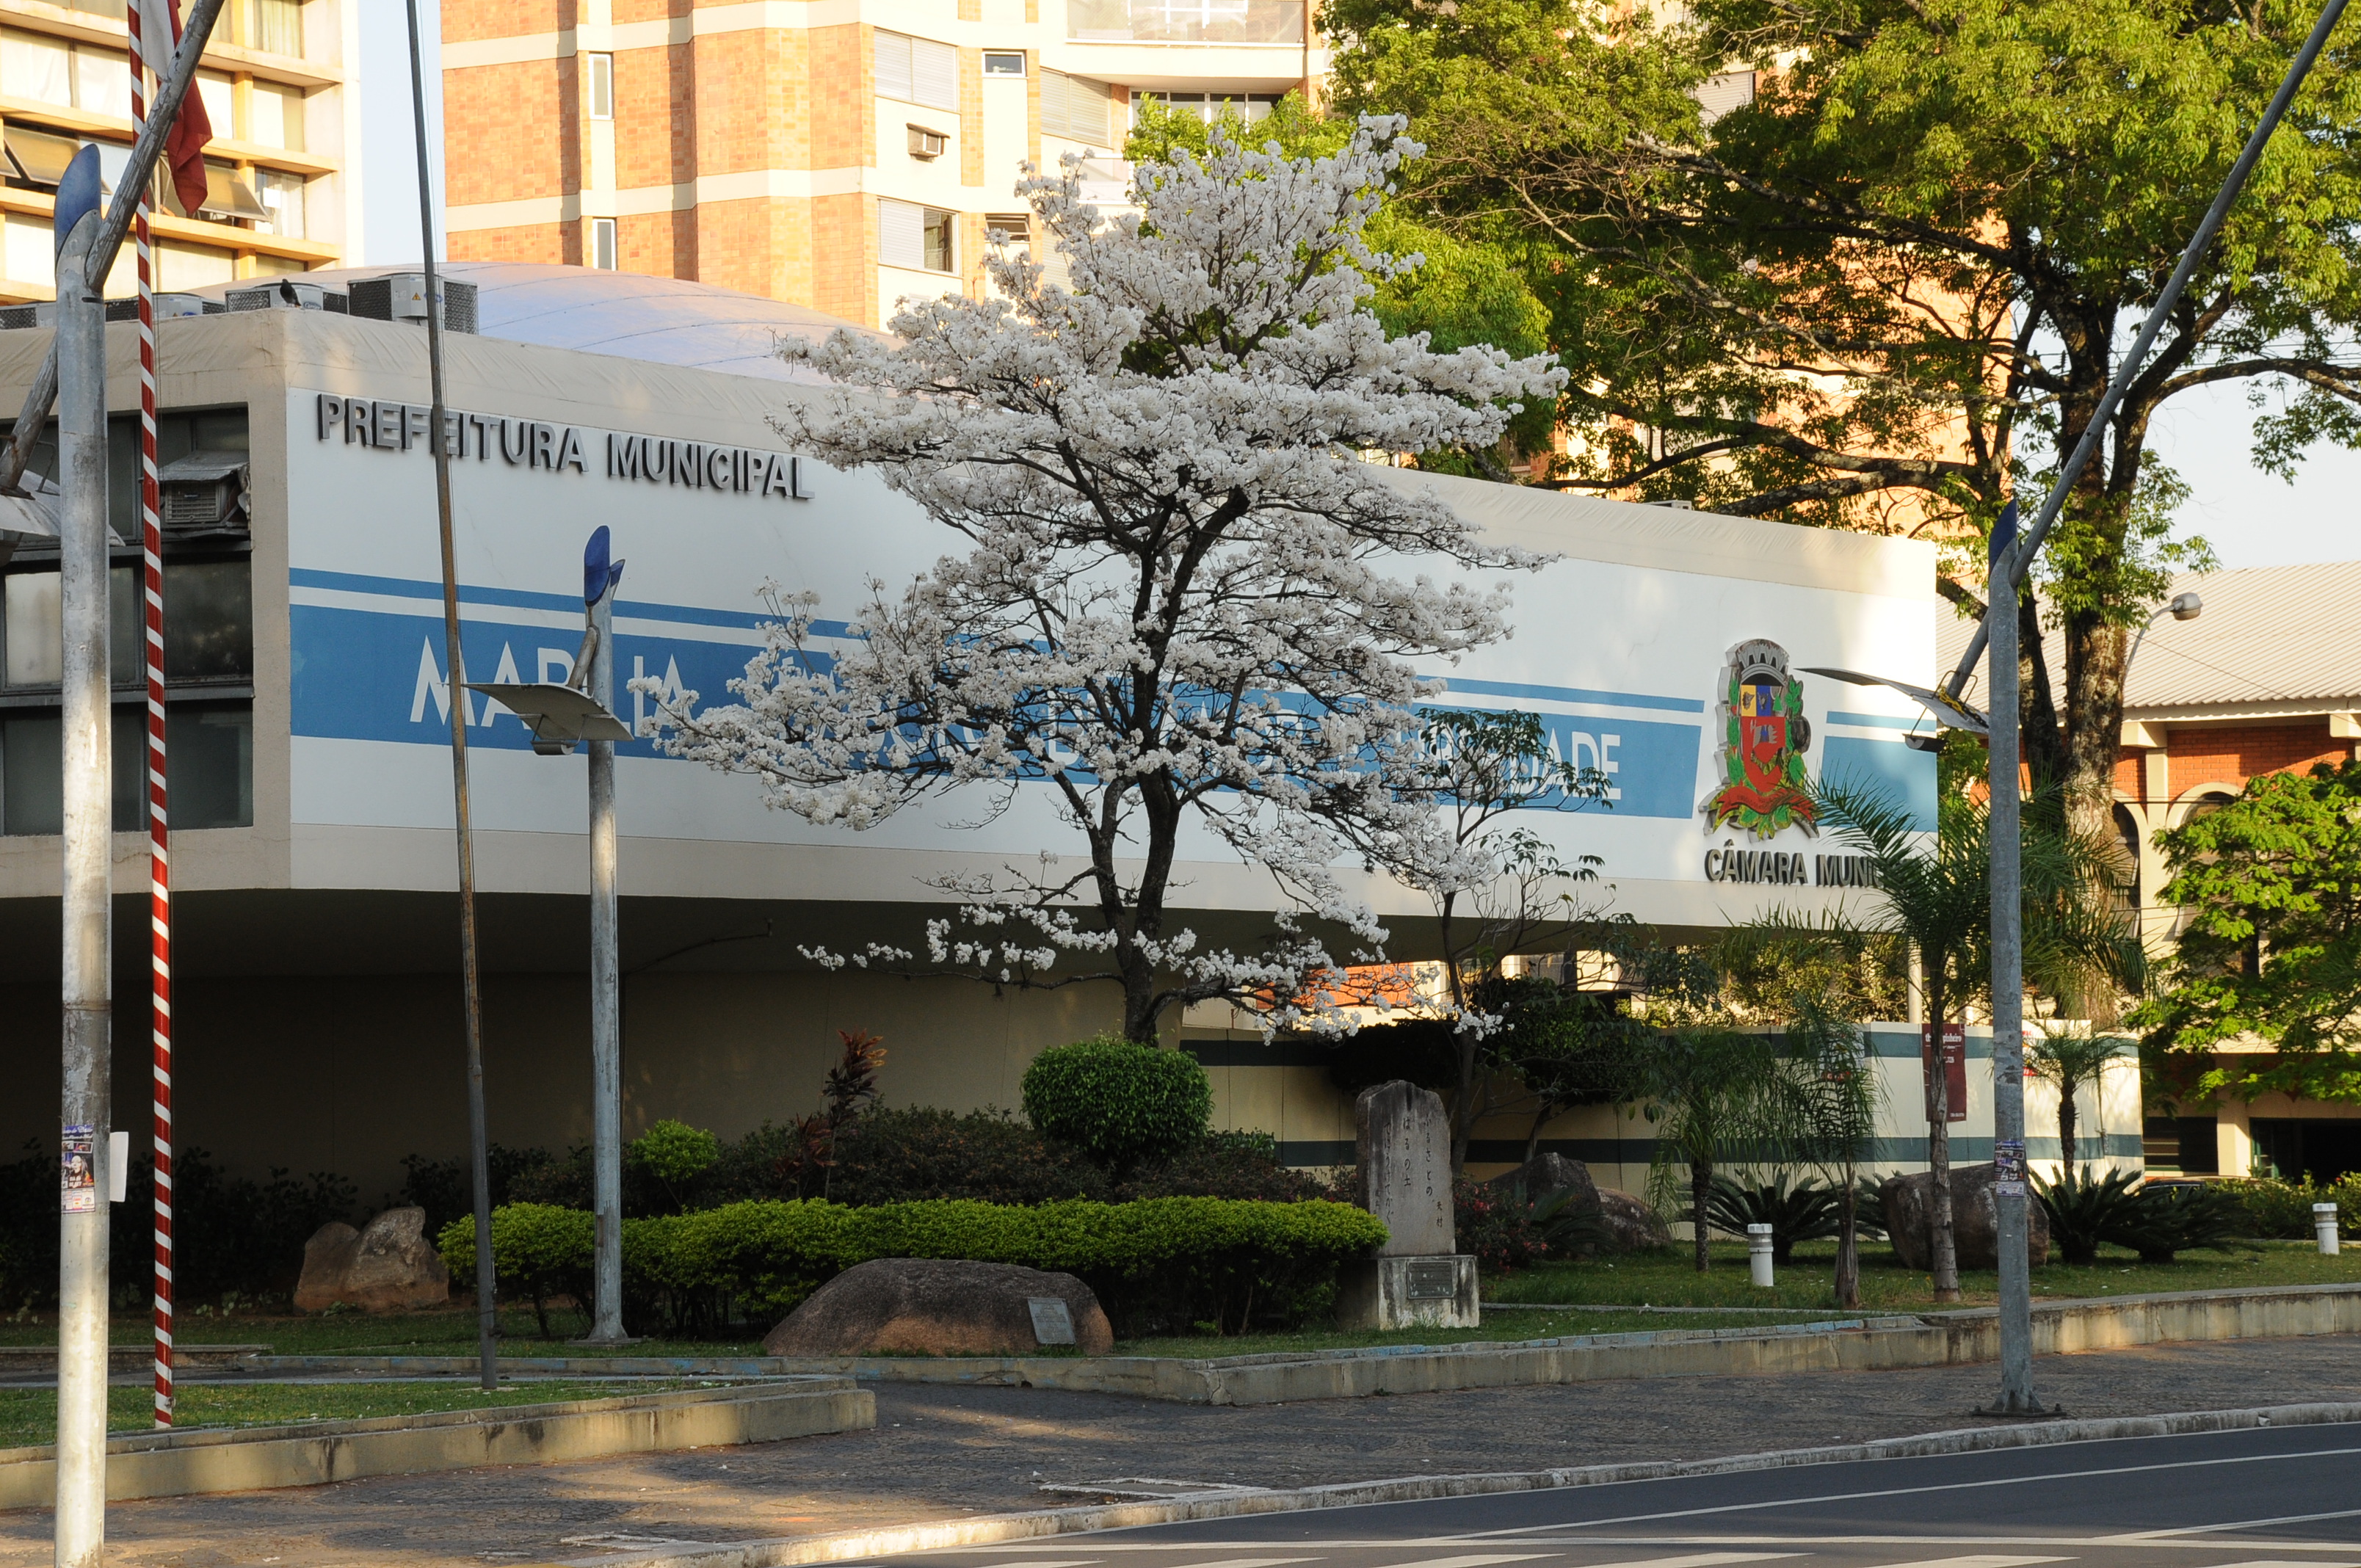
x,y
1831,1116
1935,896
1715,1095
2069,1061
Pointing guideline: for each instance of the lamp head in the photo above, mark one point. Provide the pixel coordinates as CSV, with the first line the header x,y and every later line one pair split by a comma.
x,y
2186,607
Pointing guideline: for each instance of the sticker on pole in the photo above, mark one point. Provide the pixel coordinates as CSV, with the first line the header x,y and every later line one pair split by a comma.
x,y
77,1172
2008,1168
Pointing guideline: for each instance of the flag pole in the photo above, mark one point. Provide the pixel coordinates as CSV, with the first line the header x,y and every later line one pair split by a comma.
x,y
160,873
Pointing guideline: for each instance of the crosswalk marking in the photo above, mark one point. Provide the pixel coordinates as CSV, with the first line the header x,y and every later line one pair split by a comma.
x,y
2285,1563
1700,1560
1479,1562
1248,1562
1978,1561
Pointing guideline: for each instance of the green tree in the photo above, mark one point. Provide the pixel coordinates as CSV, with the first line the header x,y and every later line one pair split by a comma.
x,y
1935,896
1465,291
1885,292
2272,886
1716,1097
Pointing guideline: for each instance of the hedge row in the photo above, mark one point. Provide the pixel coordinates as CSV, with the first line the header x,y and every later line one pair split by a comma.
x,y
1160,1264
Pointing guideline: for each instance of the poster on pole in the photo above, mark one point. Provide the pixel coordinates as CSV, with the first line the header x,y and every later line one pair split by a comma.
x,y
77,1171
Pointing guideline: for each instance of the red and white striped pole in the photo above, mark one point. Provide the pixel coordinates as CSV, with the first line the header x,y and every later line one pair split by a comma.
x,y
160,873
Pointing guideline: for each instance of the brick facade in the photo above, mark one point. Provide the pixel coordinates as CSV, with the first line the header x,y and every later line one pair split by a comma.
x,y
547,244
527,109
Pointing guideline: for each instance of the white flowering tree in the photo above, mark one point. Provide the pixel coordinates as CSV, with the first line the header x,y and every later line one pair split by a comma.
x,y
1176,592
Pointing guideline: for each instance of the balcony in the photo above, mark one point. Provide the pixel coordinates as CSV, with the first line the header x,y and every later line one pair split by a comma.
x,y
1185,21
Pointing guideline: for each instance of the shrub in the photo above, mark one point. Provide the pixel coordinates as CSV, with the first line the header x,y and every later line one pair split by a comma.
x,y
901,1156
1808,1210
539,1251
674,1155
1496,1227
1221,1164
1156,1265
1120,1102
2283,1209
2179,1217
2085,1209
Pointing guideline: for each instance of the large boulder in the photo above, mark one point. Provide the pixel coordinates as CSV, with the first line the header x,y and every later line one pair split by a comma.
x,y
1547,1173
1632,1221
1909,1205
389,1265
937,1306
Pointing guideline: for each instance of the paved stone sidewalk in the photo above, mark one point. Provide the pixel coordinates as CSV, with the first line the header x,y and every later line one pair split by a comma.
x,y
941,1453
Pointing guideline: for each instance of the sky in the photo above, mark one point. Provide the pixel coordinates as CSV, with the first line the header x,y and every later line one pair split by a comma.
x,y
2250,518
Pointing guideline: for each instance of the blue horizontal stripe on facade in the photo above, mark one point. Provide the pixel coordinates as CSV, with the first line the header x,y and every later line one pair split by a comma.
x,y
1573,693
1874,720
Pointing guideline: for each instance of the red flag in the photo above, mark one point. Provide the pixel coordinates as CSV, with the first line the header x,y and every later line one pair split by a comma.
x,y
184,144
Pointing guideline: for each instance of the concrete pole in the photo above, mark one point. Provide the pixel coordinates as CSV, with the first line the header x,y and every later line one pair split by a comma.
x,y
2008,993
89,790
605,1044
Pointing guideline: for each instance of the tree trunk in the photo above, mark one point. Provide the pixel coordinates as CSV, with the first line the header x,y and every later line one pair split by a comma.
x,y
1848,1282
1942,1244
2066,1123
1700,1190
1465,1046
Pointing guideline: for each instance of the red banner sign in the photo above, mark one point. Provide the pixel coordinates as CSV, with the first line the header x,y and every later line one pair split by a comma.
x,y
1955,1070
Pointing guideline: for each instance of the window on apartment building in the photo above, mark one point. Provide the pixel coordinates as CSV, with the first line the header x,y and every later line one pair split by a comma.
x,y
274,117
1075,107
917,71
284,194
915,236
997,62
1718,95
278,25
1210,106
603,244
602,86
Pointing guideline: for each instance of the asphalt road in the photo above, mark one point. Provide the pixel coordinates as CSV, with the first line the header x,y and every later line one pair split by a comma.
x,y
2275,1498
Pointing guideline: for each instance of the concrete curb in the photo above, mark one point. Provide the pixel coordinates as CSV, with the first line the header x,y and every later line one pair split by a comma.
x,y
787,1552
233,1459
1847,1344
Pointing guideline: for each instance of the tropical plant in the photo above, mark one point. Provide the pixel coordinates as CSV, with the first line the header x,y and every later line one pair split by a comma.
x,y
2085,1209
2169,1218
1796,1211
849,1089
1118,1102
1183,601
2070,1059
1830,1100
1935,896
1572,1223
2272,947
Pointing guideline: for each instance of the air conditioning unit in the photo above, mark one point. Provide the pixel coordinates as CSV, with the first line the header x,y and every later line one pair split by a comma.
x,y
285,294
204,492
926,144
402,297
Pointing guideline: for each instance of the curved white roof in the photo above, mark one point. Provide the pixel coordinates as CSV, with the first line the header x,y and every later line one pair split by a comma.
x,y
670,321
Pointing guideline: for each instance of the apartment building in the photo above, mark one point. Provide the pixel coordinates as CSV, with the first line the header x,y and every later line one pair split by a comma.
x,y
277,78
838,154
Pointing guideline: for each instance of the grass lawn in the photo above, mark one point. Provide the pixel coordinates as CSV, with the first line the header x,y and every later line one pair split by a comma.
x,y
1669,1279
29,1415
358,1333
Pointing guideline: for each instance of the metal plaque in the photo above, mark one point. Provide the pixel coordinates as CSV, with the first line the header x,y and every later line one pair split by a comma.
x,y
1052,1322
1434,1281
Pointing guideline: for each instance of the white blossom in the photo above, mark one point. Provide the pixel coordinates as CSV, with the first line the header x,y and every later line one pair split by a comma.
x,y
1176,593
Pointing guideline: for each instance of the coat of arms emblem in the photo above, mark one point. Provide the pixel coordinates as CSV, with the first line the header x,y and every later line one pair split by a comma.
x,y
1764,735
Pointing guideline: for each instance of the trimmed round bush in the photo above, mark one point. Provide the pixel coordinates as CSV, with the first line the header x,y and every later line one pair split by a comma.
x,y
1117,1101
674,1152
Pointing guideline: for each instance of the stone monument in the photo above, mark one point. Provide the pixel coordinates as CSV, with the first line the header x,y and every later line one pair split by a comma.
x,y
1402,1174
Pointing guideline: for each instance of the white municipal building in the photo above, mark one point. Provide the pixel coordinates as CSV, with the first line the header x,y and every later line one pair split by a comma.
x,y
317,996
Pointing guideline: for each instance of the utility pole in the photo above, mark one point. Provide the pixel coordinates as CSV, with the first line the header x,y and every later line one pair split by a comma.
x,y
598,581
88,799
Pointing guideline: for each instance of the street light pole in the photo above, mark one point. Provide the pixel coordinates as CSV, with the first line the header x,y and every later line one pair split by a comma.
x,y
88,787
605,1044
2008,995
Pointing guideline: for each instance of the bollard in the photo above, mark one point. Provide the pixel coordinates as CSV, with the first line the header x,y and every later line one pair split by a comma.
x,y
1758,1253
2324,1225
